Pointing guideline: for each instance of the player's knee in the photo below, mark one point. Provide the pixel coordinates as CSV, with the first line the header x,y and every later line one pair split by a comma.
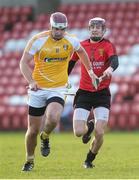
x,y
33,132
53,118
79,128
79,132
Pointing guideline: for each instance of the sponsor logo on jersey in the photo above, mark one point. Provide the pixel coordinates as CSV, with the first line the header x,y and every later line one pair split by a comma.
x,y
98,65
54,59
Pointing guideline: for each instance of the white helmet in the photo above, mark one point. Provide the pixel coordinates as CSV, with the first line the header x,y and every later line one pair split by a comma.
x,y
98,20
58,20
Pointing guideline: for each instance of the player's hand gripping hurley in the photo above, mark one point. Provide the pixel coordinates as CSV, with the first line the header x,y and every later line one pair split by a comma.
x,y
94,78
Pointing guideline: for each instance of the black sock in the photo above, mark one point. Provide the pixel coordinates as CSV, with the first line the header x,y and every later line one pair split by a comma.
x,y
90,156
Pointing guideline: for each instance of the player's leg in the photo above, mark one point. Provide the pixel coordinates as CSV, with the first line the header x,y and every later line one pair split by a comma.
x,y
83,105
37,108
101,115
34,123
101,104
79,121
87,136
53,114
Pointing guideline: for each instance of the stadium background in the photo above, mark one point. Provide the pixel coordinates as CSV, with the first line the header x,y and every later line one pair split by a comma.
x,y
20,20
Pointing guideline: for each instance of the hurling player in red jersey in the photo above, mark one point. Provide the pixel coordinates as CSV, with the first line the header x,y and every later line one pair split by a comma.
x,y
104,61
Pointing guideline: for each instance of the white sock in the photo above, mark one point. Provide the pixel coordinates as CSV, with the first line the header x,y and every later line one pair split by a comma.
x,y
30,158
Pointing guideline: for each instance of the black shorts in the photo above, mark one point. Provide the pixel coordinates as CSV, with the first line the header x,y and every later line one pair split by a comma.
x,y
33,111
87,100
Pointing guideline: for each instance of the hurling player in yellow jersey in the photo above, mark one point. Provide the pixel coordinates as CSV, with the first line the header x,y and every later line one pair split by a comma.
x,y
51,51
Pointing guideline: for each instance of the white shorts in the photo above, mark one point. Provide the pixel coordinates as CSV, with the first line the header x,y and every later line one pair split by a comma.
x,y
39,98
100,113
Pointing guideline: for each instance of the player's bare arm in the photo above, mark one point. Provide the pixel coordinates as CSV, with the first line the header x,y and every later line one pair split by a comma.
x,y
26,70
85,60
113,66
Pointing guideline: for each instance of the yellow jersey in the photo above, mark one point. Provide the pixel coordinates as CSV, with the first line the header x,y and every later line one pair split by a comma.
x,y
51,58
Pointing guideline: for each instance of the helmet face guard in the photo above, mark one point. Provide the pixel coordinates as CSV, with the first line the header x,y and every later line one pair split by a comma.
x,y
58,20
97,21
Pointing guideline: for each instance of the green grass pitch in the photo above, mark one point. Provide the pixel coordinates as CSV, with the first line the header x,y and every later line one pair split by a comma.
x,y
117,159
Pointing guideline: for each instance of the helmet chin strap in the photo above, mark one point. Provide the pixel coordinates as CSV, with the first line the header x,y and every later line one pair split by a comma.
x,y
96,38
57,39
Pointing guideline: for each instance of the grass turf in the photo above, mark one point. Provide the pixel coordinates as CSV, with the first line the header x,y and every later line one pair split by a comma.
x,y
117,159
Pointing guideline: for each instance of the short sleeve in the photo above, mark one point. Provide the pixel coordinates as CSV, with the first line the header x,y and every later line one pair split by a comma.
x,y
111,50
34,45
74,41
77,44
